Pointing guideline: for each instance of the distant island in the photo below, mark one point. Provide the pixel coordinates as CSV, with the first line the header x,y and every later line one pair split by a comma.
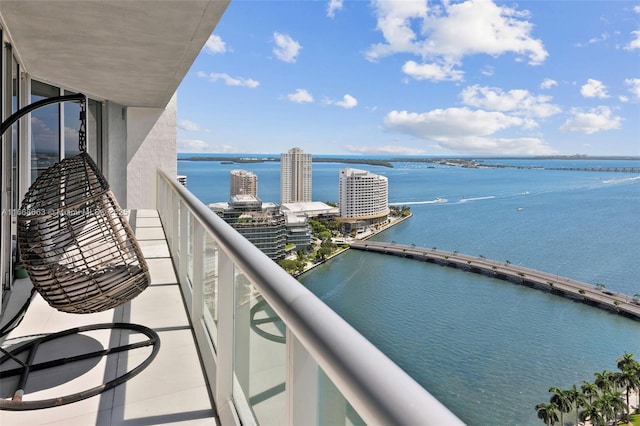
x,y
479,162
240,160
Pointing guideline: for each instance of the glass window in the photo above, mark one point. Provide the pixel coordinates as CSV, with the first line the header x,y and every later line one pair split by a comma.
x,y
71,127
45,130
94,131
15,131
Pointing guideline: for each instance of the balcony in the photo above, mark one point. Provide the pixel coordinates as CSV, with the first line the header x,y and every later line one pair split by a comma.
x,y
234,328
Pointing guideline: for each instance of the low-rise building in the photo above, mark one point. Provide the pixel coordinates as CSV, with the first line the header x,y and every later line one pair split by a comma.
x,y
261,223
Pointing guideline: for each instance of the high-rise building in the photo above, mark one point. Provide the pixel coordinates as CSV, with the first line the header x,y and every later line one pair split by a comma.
x,y
243,182
295,176
363,197
261,223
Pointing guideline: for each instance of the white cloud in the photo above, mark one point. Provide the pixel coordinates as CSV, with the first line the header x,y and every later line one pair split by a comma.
x,y
441,124
347,102
594,89
433,72
487,70
386,149
548,83
635,43
301,96
286,49
466,131
188,126
197,145
215,45
333,6
634,86
595,120
518,101
594,40
228,80
454,30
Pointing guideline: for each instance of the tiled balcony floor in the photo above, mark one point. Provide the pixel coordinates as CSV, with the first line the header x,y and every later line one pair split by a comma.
x,y
171,390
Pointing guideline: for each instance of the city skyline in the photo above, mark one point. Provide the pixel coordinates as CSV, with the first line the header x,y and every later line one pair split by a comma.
x,y
404,78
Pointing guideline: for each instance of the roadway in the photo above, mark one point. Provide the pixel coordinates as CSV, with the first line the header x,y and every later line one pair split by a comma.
x,y
598,296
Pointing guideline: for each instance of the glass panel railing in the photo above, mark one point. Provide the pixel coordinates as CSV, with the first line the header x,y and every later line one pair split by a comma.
x,y
210,287
190,248
266,368
259,357
333,408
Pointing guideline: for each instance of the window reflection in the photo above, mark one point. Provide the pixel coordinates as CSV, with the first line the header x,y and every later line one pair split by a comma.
x,y
45,130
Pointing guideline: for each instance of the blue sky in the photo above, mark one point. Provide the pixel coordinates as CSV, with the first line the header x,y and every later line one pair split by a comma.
x,y
405,77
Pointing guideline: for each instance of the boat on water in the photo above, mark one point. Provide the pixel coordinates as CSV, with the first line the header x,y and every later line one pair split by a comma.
x,y
440,200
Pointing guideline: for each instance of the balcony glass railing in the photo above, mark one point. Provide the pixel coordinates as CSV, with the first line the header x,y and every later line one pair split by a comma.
x,y
273,352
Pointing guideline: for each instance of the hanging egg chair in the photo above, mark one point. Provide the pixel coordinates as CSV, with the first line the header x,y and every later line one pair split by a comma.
x,y
77,246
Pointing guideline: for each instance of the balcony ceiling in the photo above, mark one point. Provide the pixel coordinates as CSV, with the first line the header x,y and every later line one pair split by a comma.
x,y
134,53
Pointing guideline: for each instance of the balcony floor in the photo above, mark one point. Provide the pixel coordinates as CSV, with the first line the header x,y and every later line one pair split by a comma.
x,y
171,390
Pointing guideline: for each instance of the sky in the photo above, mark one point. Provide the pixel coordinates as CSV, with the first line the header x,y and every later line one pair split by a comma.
x,y
405,77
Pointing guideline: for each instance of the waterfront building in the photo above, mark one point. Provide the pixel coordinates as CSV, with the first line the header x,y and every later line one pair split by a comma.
x,y
295,176
261,223
243,182
298,231
363,199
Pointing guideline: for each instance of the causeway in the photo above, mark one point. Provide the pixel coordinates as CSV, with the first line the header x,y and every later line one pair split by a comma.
x,y
562,286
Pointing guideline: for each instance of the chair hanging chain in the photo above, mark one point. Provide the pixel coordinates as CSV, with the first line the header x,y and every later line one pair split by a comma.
x,y
82,133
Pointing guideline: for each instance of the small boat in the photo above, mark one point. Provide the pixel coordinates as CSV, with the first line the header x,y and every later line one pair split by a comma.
x,y
519,209
440,200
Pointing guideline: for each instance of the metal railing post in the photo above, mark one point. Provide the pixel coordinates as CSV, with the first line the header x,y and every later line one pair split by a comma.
x,y
226,311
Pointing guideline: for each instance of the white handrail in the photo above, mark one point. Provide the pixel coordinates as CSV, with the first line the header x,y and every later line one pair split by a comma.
x,y
375,386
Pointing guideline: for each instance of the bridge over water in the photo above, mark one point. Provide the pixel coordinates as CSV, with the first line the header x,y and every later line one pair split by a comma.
x,y
552,283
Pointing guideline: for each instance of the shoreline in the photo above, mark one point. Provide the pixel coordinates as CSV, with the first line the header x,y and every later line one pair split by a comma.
x,y
364,236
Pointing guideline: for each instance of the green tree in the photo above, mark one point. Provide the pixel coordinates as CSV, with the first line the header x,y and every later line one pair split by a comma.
x,y
593,414
561,400
605,381
577,399
589,390
548,413
629,376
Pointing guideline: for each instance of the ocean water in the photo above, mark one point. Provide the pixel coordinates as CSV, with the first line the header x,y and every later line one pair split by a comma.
x,y
488,349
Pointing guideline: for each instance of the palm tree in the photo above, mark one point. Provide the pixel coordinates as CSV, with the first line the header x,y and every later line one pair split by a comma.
x,y
548,413
576,398
593,414
589,390
604,381
629,377
561,400
611,404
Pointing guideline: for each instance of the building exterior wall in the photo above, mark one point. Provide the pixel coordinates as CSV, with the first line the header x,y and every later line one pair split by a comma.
x,y
295,176
116,150
243,182
151,144
363,195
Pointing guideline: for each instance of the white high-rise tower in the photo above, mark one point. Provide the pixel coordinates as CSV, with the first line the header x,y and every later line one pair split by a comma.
x,y
295,176
363,196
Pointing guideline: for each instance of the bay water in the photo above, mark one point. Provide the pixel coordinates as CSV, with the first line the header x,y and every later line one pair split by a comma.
x,y
488,349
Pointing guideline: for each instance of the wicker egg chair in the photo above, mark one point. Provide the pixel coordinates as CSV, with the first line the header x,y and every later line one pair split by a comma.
x,y
77,246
